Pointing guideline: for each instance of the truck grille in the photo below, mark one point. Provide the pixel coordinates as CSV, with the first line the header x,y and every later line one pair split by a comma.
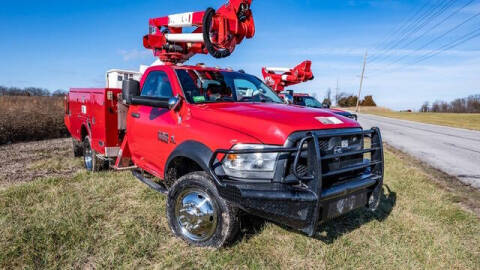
x,y
342,157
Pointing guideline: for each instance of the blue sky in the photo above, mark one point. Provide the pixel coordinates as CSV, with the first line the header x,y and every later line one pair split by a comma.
x,y
62,44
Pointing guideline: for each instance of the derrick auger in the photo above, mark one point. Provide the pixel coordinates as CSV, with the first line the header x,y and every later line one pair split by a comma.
x,y
216,32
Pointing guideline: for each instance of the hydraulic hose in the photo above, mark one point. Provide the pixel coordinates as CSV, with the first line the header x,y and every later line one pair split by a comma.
x,y
212,49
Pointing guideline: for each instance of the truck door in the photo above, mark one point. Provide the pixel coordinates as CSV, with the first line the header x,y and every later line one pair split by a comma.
x,y
150,128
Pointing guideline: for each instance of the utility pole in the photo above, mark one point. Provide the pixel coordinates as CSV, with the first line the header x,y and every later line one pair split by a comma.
x,y
361,80
336,94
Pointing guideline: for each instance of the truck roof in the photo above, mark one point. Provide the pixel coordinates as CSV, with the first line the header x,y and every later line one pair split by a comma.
x,y
198,67
91,90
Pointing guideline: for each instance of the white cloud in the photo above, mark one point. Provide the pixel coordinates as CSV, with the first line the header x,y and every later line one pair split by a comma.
x,y
134,54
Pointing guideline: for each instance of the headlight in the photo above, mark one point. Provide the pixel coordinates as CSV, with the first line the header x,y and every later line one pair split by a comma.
x,y
255,165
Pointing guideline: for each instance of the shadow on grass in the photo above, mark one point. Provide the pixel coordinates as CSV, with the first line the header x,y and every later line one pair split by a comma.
x,y
329,231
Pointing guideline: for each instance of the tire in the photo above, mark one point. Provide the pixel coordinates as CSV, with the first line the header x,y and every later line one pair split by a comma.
x,y
90,160
77,148
375,197
195,194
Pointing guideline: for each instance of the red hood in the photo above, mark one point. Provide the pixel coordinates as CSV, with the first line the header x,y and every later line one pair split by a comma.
x,y
270,123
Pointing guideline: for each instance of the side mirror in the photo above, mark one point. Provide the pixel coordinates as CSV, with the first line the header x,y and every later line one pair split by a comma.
x,y
130,88
174,102
288,99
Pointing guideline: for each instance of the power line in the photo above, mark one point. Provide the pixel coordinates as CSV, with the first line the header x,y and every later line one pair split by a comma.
x,y
465,38
402,25
405,30
425,21
462,40
419,27
439,37
435,26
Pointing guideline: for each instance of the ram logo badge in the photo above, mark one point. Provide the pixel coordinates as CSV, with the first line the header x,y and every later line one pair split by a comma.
x,y
163,136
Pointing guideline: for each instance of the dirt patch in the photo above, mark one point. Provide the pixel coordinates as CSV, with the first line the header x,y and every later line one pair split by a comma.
x,y
24,162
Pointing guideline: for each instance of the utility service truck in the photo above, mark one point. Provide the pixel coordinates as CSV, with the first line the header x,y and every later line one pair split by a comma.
x,y
219,142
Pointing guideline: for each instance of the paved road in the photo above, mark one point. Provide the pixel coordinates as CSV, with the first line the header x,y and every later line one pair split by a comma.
x,y
454,151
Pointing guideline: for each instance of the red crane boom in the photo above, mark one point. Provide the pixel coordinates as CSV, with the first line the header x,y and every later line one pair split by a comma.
x,y
215,32
279,78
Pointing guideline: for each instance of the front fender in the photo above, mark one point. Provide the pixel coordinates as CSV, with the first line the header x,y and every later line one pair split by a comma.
x,y
196,151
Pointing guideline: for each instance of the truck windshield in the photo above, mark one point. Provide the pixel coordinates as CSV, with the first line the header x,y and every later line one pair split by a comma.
x,y
307,101
210,86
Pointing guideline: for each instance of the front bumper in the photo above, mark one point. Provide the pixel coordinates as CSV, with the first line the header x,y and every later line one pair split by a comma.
x,y
302,201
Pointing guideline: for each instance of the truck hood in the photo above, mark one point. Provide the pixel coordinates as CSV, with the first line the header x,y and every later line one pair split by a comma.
x,y
270,123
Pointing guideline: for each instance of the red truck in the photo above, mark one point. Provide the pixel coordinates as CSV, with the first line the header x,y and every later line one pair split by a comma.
x,y
303,99
218,142
279,78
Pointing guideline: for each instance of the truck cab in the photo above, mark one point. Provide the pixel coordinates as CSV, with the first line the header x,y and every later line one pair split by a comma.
x,y
219,141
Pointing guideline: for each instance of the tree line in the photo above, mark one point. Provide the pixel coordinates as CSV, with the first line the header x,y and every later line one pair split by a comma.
x,y
470,104
350,100
29,91
347,100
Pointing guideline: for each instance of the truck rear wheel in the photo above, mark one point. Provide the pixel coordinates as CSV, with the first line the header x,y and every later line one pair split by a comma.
x,y
90,160
197,214
77,148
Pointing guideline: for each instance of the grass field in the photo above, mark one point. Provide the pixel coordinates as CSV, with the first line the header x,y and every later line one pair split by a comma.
x,y
459,120
111,220
27,118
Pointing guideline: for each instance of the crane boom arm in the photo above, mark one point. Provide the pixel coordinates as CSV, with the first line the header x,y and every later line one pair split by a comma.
x,y
216,32
279,78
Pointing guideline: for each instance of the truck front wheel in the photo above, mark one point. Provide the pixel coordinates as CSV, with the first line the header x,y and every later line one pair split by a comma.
x,y
197,213
90,160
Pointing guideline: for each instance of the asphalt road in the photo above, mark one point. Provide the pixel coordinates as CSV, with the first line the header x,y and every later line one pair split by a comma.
x,y
454,151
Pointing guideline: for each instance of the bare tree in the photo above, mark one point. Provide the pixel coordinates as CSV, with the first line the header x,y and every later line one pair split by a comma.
x,y
425,107
470,104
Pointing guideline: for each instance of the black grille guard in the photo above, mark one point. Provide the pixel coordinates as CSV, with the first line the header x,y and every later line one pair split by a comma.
x,y
374,177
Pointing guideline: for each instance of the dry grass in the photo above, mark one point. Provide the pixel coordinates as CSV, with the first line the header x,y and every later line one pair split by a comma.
x,y
24,118
458,120
111,220
369,109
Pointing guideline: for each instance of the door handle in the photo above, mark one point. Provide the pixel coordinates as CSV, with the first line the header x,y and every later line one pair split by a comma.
x,y
135,115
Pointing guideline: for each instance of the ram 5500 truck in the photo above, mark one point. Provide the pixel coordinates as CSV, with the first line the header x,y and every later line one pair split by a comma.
x,y
217,141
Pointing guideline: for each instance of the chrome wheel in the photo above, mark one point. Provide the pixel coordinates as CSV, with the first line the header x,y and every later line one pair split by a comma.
x,y
196,214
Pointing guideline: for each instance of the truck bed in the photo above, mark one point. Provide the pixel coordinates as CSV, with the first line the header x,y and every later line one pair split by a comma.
x,y
94,112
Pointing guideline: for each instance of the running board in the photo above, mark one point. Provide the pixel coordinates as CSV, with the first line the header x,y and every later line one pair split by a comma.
x,y
123,168
155,186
